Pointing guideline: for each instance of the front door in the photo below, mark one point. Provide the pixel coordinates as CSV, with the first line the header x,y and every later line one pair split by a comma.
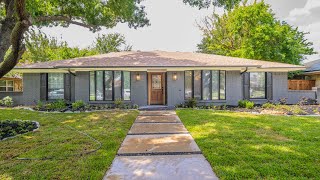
x,y
156,88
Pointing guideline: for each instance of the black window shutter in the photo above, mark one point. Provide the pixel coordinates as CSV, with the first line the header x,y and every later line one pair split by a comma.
x,y
43,86
246,84
67,87
269,86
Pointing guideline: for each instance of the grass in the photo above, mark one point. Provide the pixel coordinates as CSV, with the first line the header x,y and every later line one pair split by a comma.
x,y
247,146
56,140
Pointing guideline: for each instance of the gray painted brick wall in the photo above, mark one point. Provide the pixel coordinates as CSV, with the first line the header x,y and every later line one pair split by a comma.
x,y
17,97
81,85
175,88
233,87
139,89
31,88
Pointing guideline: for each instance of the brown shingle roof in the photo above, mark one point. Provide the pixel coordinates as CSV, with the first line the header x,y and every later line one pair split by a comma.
x,y
156,59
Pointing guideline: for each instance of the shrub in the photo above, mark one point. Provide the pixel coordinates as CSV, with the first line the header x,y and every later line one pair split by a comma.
x,y
7,101
118,103
307,101
78,105
283,101
191,102
58,105
40,105
246,104
135,106
268,105
13,127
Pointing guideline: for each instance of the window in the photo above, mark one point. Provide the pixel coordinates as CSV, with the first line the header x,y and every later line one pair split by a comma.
x,y
110,85
206,82
205,85
188,84
92,86
108,79
55,86
126,86
258,85
99,85
6,85
197,84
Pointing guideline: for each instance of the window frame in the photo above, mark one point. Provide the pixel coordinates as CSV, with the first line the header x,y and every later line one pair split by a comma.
x,y
47,85
210,88
113,86
265,85
6,86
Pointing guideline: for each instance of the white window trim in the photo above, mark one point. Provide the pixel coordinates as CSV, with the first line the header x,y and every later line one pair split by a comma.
x,y
7,86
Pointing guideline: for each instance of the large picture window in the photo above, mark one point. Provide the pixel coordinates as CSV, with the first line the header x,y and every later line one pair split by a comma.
x,y
205,85
6,86
55,86
258,85
110,85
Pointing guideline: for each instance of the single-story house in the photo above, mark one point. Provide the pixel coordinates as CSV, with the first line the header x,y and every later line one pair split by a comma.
x,y
312,71
158,78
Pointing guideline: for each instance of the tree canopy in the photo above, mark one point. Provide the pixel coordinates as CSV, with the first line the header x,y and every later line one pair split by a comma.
x,y
41,47
16,16
253,32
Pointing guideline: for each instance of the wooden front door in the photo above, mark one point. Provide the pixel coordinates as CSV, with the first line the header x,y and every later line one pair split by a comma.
x,y
156,88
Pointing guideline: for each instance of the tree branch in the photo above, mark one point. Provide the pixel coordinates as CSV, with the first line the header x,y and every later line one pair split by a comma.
x,y
16,38
62,18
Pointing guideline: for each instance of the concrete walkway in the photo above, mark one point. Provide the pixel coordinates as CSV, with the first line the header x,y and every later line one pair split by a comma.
x,y
158,146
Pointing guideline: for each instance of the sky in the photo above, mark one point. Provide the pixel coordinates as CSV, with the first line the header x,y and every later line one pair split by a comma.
x,y
174,26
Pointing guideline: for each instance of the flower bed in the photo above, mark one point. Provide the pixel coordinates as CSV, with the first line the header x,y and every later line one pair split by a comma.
x,y
9,128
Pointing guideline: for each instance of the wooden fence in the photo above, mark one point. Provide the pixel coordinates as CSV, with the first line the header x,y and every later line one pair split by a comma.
x,y
301,84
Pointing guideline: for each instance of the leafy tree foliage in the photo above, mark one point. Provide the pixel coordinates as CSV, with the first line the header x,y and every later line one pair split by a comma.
x,y
226,4
253,32
42,48
111,43
16,16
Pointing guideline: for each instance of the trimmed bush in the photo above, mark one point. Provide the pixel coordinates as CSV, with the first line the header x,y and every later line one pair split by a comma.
x,y
7,101
10,128
191,102
118,103
268,105
246,104
78,105
58,105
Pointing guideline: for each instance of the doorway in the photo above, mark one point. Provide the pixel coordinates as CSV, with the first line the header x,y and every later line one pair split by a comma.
x,y
156,88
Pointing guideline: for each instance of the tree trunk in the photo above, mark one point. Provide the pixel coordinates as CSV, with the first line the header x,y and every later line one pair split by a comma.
x,y
16,37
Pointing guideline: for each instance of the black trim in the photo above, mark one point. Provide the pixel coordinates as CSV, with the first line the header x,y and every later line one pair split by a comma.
x,y
265,86
47,87
201,86
104,86
166,84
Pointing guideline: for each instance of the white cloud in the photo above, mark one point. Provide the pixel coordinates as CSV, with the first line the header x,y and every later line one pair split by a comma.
x,y
308,13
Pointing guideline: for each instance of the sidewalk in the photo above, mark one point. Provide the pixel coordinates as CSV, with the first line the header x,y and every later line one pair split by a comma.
x,y
158,146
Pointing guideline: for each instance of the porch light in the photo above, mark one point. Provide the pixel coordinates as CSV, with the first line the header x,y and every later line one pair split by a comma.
x,y
174,76
138,77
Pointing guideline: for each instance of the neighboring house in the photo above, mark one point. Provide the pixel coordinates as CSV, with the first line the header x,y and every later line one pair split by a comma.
x,y
158,78
10,86
313,71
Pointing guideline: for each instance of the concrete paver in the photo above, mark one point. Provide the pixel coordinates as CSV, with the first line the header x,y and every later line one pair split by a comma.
x,y
155,128
172,167
158,119
164,143
157,113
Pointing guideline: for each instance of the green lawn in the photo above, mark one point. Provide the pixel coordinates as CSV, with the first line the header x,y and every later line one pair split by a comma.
x,y
56,140
243,146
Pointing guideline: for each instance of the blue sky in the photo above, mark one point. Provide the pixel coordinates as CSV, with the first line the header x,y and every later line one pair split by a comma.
x,y
174,25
